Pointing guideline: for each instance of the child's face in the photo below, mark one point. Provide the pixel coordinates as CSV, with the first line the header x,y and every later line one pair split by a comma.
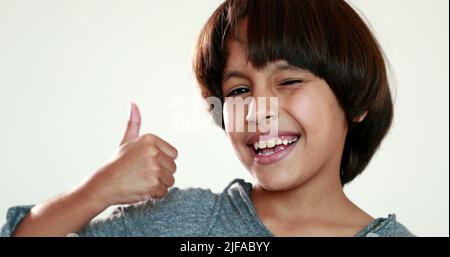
x,y
307,110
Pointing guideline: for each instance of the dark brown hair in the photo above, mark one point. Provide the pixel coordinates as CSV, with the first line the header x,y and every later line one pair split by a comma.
x,y
326,37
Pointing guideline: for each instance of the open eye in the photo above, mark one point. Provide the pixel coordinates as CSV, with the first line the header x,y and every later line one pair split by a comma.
x,y
238,91
291,82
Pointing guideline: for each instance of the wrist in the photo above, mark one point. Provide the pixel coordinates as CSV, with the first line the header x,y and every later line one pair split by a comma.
x,y
94,197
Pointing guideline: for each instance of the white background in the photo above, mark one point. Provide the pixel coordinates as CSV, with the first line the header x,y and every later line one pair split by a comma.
x,y
68,70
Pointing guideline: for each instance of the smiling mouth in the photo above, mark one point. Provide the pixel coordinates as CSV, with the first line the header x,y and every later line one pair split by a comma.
x,y
273,149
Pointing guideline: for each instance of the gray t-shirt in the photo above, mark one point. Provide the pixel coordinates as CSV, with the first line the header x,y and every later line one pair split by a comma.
x,y
194,212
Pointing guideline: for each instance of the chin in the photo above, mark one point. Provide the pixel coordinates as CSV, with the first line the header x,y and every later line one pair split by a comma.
x,y
275,182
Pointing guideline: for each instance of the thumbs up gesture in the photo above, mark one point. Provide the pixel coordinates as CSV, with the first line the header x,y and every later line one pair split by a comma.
x,y
142,168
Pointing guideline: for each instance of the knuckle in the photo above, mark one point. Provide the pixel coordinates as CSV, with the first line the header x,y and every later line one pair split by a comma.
x,y
155,182
152,151
151,180
150,162
148,138
157,169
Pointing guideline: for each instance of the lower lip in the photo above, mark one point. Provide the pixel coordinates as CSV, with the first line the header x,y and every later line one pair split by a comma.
x,y
275,157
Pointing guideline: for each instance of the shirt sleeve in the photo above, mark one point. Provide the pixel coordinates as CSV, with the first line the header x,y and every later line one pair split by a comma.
x,y
14,216
393,229
390,227
182,212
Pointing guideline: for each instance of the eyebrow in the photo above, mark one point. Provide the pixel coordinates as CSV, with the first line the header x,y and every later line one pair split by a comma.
x,y
233,74
278,67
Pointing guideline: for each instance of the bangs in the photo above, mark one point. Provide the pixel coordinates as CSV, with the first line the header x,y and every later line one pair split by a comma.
x,y
277,30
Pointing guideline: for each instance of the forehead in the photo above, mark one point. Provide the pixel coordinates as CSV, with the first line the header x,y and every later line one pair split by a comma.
x,y
237,60
236,44
237,56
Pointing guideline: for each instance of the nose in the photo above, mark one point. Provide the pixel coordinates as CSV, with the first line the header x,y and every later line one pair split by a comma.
x,y
263,112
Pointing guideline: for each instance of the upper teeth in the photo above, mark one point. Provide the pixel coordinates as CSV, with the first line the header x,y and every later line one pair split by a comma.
x,y
274,142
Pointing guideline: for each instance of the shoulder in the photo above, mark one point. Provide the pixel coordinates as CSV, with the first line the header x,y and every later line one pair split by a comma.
x,y
182,212
237,186
190,200
235,196
177,200
386,227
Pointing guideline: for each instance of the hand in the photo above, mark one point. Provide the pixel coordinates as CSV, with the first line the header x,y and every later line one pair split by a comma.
x,y
142,168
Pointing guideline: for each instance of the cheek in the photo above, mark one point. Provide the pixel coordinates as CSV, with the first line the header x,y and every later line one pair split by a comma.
x,y
241,150
227,114
234,116
232,125
231,122
305,110
234,139
317,112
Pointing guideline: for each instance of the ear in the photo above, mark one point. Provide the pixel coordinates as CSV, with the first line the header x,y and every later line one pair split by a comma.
x,y
360,117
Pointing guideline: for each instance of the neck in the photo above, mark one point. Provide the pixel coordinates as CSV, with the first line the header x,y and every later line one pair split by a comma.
x,y
320,198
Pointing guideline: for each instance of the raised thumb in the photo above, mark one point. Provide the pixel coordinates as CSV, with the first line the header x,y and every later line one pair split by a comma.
x,y
134,124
